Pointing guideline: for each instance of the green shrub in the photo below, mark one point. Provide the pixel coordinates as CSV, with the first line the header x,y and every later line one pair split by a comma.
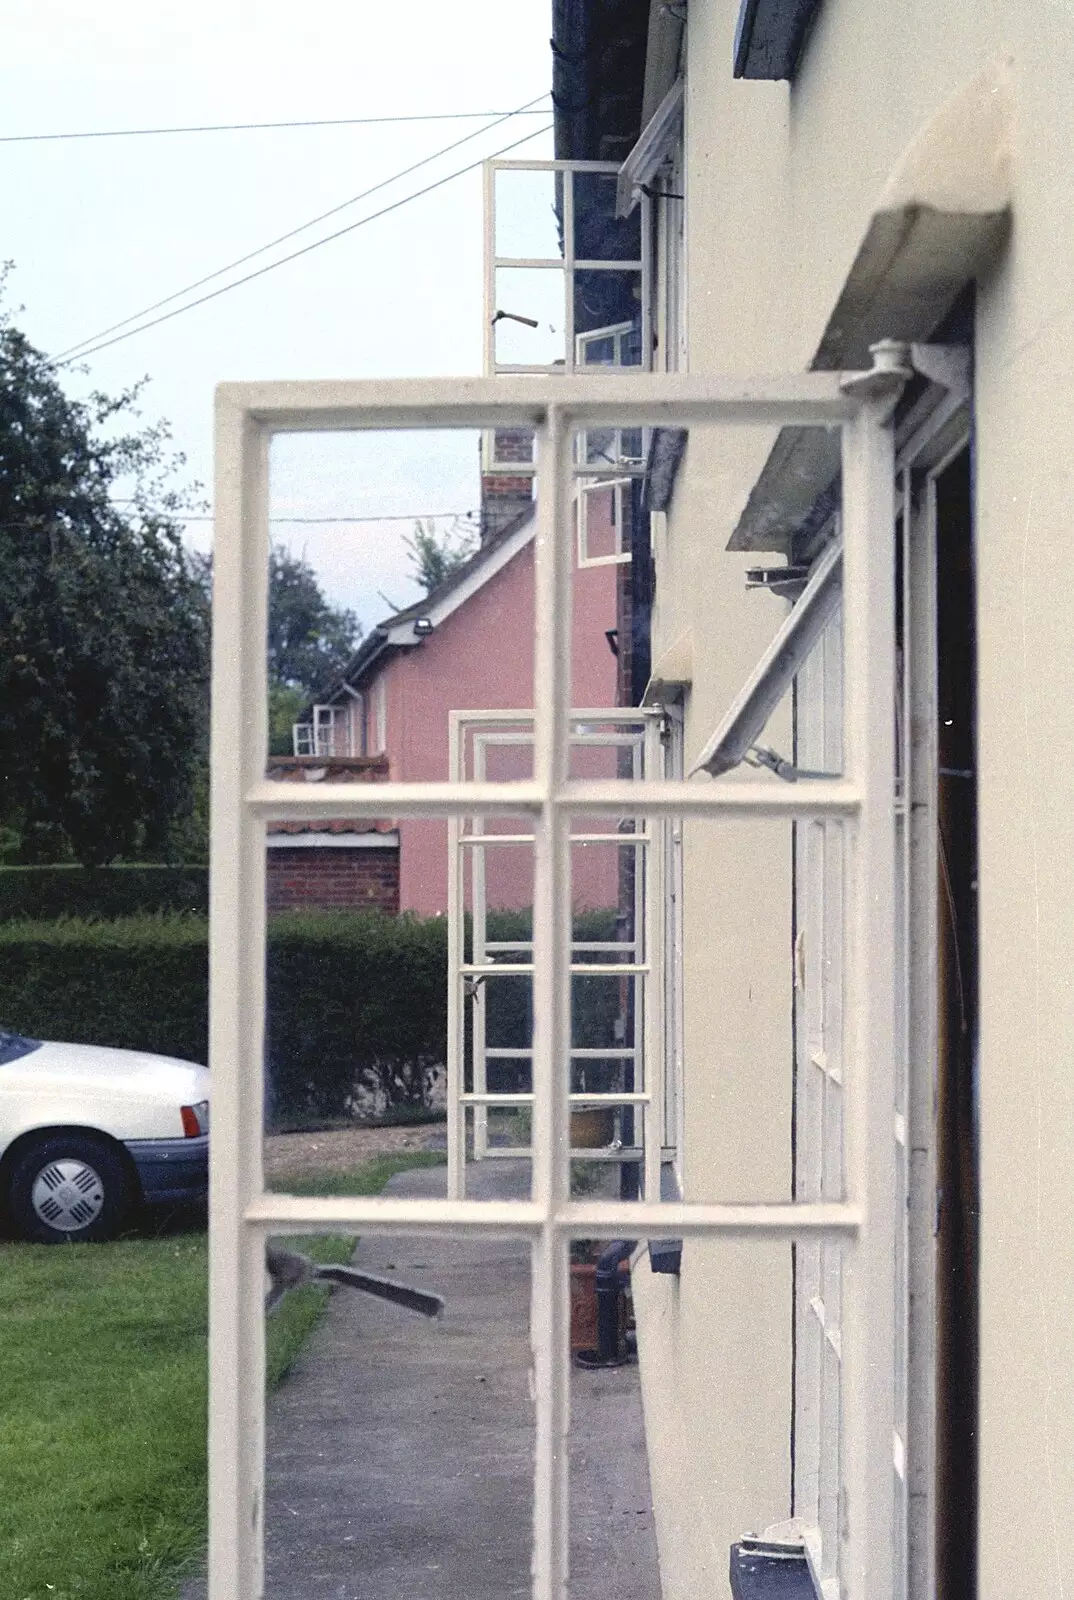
x,y
140,983
355,998
38,893
357,1001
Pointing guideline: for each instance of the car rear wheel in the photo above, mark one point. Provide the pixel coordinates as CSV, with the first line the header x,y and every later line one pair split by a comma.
x,y
69,1188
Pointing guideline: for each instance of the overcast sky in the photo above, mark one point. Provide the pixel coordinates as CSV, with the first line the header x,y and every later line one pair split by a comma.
x,y
97,229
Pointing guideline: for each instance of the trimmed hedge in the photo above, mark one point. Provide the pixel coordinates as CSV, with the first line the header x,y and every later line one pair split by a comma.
x,y
38,893
140,982
355,998
357,1001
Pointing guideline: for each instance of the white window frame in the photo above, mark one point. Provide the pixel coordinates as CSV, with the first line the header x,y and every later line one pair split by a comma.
x,y
243,1214
329,724
585,489
633,730
321,735
567,264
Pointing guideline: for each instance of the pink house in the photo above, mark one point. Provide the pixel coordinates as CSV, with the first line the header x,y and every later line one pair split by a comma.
x,y
466,646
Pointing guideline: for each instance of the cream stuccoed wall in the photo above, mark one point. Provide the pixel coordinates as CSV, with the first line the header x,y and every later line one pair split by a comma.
x,y
715,1343
781,182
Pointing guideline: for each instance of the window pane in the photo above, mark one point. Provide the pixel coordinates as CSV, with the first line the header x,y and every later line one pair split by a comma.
x,y
528,208
399,1450
599,235
606,300
536,296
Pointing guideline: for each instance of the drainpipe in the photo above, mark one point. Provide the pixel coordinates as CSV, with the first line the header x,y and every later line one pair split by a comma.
x,y
610,1352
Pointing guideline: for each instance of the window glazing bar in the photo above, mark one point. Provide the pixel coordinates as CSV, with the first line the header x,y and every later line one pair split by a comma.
x,y
236,1011
549,1312
867,1543
275,802
620,399
700,798
573,1219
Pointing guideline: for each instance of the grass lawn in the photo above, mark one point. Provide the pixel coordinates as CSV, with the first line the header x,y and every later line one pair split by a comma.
x,y
102,1403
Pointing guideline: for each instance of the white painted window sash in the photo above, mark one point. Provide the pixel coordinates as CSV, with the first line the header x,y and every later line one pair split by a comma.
x,y
636,731
738,732
568,263
242,1214
618,488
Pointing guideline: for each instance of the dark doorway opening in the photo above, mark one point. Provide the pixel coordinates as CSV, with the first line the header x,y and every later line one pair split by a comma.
x,y
957,1009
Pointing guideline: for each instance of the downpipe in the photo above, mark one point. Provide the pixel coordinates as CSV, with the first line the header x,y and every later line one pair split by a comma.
x,y
611,1348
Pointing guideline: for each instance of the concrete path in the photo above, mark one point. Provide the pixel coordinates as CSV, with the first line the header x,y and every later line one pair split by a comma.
x,y
400,1452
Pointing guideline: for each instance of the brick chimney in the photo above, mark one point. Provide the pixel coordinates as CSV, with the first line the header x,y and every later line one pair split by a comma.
x,y
504,496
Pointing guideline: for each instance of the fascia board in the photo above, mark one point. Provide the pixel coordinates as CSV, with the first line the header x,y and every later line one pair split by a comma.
x,y
405,636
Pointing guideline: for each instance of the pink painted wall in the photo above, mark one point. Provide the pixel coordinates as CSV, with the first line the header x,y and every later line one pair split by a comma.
x,y
481,657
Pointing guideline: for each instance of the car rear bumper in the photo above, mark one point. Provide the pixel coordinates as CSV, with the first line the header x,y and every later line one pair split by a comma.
x,y
171,1169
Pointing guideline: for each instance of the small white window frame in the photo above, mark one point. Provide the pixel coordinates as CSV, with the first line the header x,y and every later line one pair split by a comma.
x,y
567,264
331,731
243,1214
585,489
633,730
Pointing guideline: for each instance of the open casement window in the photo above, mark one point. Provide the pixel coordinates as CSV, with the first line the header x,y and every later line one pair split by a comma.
x,y
617,1084
603,509
562,795
931,431
328,734
566,279
736,738
560,264
609,459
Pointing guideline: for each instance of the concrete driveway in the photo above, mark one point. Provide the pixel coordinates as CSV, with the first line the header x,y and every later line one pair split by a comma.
x,y
400,1452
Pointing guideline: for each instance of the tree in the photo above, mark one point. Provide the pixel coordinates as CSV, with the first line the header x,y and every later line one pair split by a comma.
x,y
434,557
103,642
309,641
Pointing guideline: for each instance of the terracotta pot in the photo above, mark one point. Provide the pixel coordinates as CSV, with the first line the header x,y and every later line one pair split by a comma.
x,y
583,1306
592,1128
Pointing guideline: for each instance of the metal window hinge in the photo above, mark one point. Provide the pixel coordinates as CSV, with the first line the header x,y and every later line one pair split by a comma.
x,y
759,755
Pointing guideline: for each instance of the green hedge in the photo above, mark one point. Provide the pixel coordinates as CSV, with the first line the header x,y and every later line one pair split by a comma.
x,y
354,998
39,893
140,982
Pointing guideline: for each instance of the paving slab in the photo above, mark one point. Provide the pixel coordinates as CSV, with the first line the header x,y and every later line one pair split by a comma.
x,y
400,1451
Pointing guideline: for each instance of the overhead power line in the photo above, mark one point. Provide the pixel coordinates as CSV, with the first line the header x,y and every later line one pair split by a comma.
x,y
256,127
81,351
178,294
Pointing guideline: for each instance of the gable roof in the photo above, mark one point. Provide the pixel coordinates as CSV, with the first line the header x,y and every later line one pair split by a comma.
x,y
400,631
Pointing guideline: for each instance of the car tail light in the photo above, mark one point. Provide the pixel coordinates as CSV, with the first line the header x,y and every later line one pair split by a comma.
x,y
195,1119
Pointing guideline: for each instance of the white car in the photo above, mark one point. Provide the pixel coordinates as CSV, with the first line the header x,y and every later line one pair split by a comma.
x,y
89,1133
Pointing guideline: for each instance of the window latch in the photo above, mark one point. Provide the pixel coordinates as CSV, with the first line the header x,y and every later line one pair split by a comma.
x,y
759,755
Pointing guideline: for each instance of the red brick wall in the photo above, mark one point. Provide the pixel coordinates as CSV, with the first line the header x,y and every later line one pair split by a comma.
x,y
333,879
